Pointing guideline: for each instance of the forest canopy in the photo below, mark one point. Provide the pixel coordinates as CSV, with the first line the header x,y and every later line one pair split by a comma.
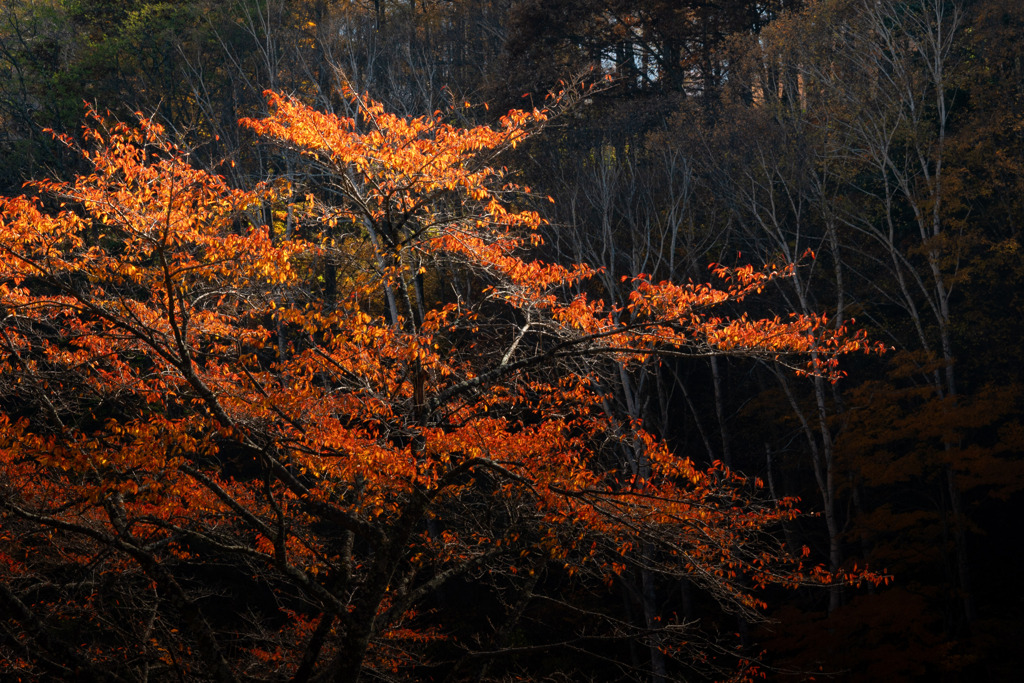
x,y
319,367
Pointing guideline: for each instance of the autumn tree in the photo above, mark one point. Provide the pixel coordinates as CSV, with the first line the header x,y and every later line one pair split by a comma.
x,y
216,464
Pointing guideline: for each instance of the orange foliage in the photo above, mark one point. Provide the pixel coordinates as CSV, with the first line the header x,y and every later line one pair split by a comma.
x,y
176,397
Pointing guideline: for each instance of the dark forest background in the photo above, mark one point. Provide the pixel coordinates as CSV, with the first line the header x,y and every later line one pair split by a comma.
x,y
886,136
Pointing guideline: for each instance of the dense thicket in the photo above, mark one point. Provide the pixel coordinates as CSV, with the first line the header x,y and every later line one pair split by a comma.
x,y
885,136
